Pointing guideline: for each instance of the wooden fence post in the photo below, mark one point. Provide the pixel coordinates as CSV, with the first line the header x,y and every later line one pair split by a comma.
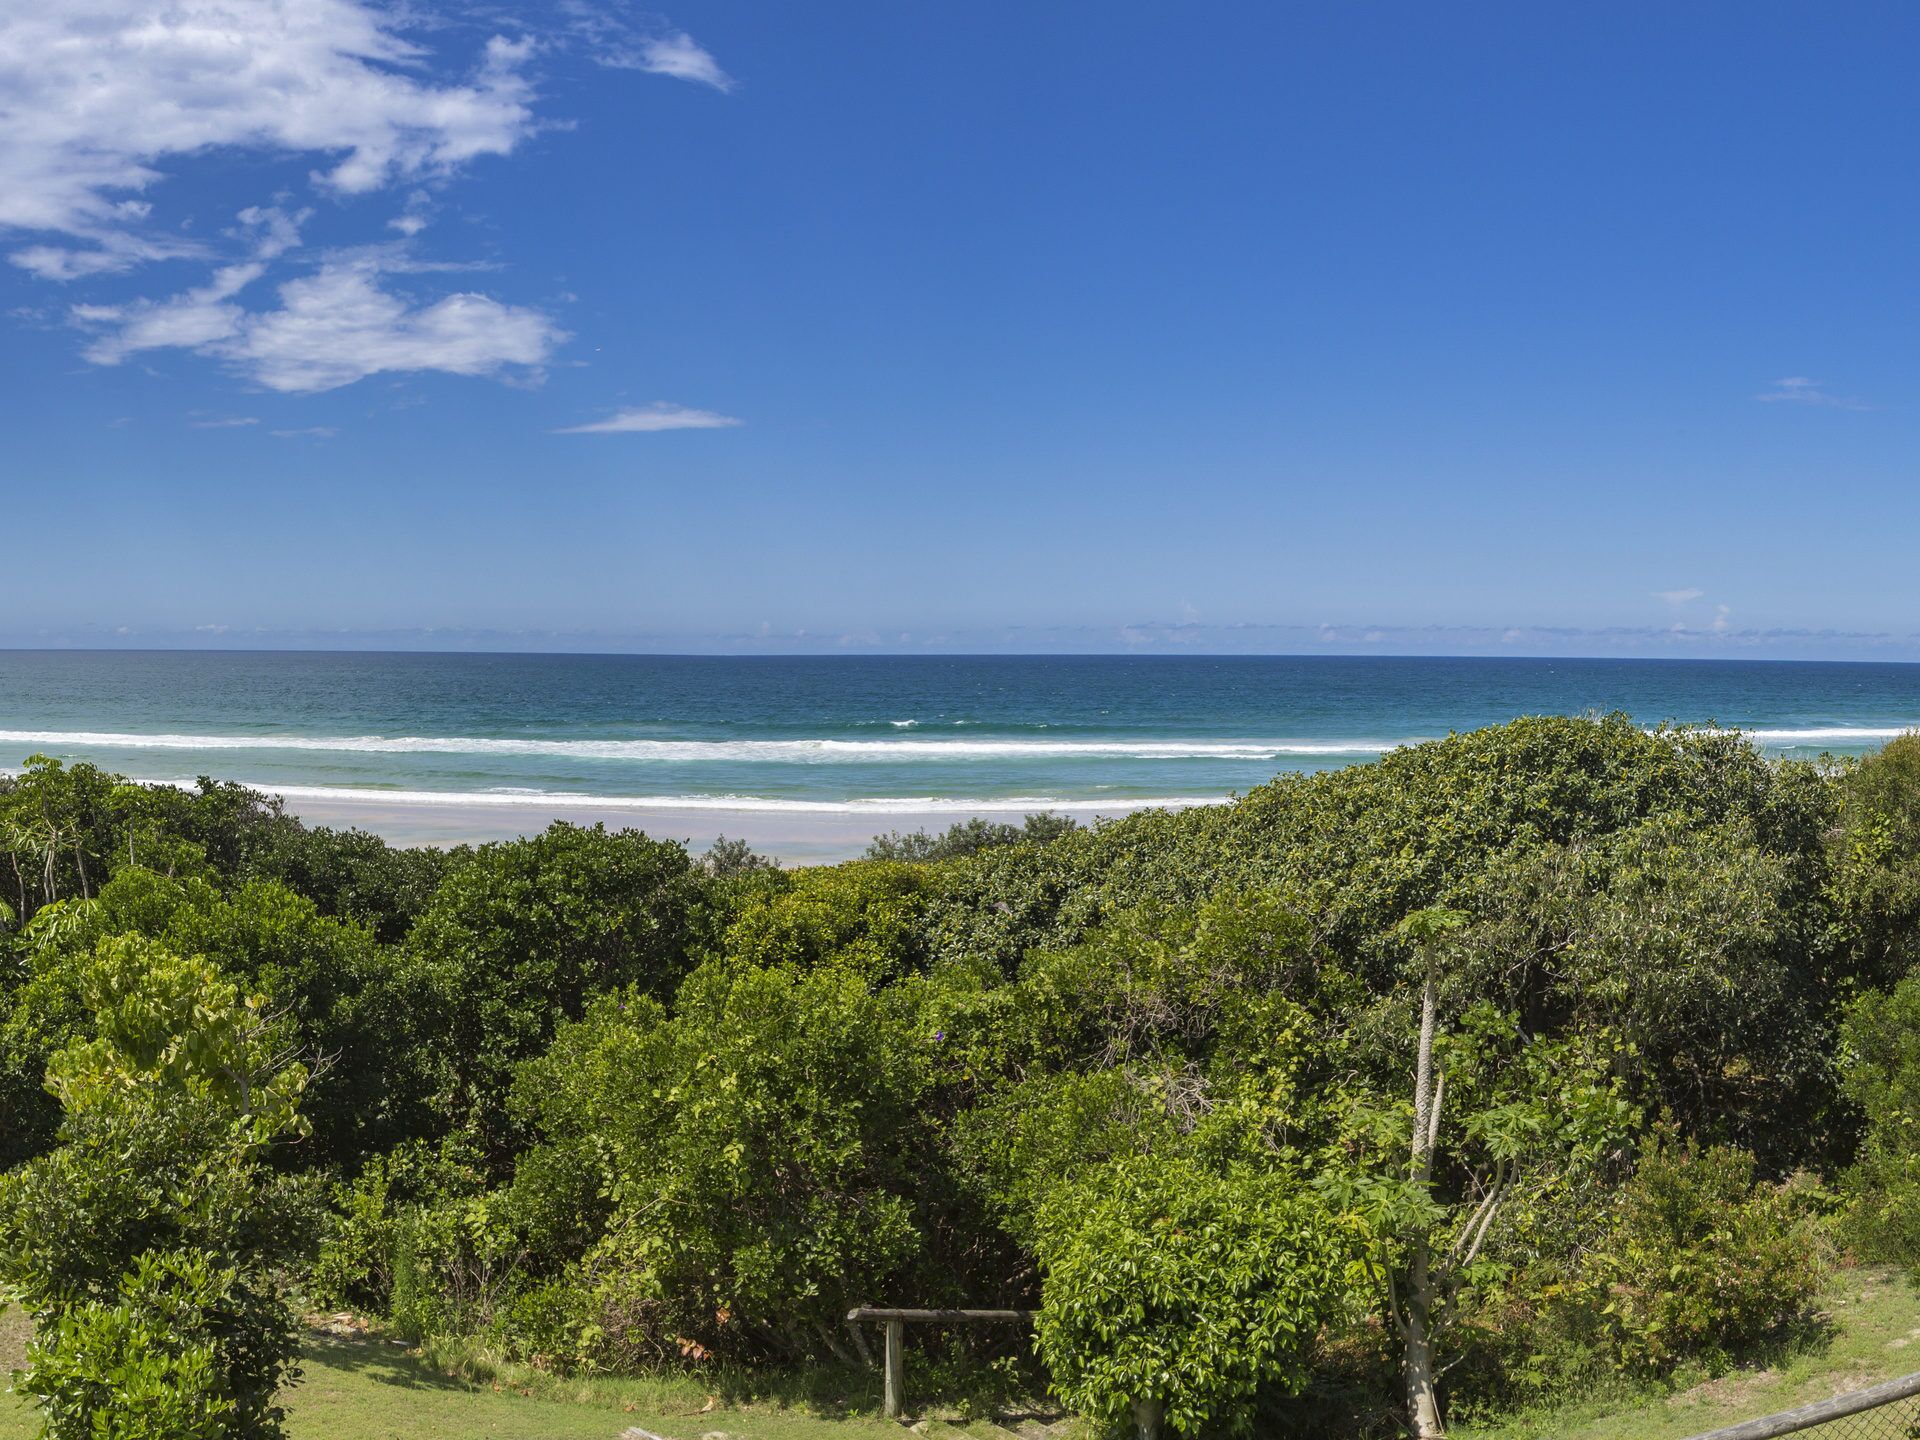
x,y
894,1393
896,1367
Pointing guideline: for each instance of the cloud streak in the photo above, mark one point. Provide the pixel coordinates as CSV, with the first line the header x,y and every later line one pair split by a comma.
x,y
677,55
649,419
1800,390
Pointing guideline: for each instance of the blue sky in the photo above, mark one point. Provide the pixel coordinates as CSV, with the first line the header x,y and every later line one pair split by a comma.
x,y
1396,327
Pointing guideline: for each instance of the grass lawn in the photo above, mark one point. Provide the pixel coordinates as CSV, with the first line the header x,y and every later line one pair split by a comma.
x,y
1872,1324
366,1388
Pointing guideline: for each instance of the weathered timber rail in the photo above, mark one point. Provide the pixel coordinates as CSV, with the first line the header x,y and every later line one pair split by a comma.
x,y
896,1320
1887,1411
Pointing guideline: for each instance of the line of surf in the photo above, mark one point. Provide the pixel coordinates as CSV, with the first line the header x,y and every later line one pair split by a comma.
x,y
813,751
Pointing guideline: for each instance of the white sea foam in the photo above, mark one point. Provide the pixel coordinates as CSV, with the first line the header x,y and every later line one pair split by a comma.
x,y
865,805
708,751
1832,734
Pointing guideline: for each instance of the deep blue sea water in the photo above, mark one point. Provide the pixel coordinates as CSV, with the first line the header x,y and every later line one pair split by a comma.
x,y
857,734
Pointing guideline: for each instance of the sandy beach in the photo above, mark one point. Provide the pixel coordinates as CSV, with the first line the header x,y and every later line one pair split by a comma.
x,y
794,838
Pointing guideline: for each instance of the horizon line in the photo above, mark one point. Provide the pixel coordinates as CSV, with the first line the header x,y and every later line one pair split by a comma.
x,y
1183,655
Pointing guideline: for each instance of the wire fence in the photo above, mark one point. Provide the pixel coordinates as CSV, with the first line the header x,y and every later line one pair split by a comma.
x,y
1888,1411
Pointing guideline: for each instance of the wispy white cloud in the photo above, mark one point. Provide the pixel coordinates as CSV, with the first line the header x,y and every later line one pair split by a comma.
x,y
102,100
617,42
331,328
223,422
1679,597
649,418
308,432
681,57
1800,390
98,94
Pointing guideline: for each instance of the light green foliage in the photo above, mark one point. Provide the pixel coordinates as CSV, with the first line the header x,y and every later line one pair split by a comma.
x,y
761,1148
148,1242
1168,1285
139,1367
868,917
1876,861
343,994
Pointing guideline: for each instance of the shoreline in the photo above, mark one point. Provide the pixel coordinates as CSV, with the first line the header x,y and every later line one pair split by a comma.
x,y
792,837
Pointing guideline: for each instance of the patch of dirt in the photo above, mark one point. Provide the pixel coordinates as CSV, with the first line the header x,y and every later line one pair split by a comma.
x,y
1728,1390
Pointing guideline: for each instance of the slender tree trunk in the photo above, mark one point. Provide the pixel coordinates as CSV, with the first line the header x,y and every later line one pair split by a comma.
x,y
1423,1407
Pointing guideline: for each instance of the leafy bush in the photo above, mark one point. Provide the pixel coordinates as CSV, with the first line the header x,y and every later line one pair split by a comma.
x,y
868,916
969,837
520,936
1178,1294
1700,1259
1882,1078
159,1194
142,1368
762,1149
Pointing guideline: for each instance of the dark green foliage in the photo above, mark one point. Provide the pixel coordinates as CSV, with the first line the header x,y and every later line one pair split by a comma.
x,y
1362,847
1882,1078
522,934
608,1105
1699,1259
969,837
726,859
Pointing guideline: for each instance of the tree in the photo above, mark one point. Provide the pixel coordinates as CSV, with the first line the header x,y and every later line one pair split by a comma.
x,y
1525,1113
520,936
150,1244
763,1146
1176,1296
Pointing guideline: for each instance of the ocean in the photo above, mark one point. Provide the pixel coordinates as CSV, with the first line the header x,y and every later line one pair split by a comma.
x,y
867,738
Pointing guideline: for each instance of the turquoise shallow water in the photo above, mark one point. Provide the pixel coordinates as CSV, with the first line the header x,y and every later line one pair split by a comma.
x,y
856,735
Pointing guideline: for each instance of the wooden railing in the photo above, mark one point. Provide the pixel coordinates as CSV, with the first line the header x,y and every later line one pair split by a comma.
x,y
1875,1413
897,1321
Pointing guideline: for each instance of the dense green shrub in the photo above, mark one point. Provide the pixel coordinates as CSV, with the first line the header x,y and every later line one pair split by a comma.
x,y
605,1105
1882,1078
151,1243
1173,1293
519,937
1700,1259
969,837
866,916
143,1366
761,1145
